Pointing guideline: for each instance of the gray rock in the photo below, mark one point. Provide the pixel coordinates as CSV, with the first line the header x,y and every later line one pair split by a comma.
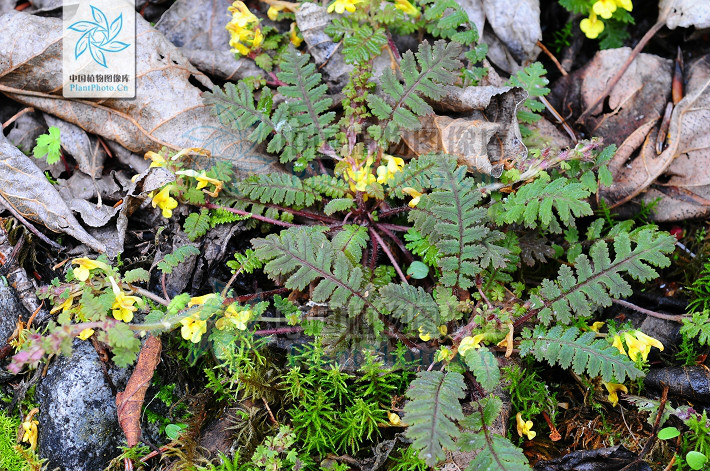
x,y
78,426
10,309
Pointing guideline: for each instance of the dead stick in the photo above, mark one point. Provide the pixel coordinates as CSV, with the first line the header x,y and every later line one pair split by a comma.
x,y
612,83
552,57
29,109
648,312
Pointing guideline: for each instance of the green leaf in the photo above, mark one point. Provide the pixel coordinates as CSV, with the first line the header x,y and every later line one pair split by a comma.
x,y
418,270
412,306
197,224
137,274
352,240
583,353
484,366
172,260
494,453
337,205
667,433
433,406
50,145
695,460
594,282
451,218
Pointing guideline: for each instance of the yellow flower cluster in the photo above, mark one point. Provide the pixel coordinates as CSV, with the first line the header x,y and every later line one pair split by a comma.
x,y
83,271
234,316
164,201
638,343
359,174
29,428
203,180
245,29
593,26
193,326
524,427
123,304
467,343
613,389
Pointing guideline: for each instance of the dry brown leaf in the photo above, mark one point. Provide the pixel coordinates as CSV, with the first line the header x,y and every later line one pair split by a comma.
x,y
168,109
685,189
130,401
25,187
485,130
197,28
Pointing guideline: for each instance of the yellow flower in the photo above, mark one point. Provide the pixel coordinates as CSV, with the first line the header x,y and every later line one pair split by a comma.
x,y
165,202
157,159
244,29
386,172
613,388
618,344
635,347
596,326
66,305
82,272
203,180
524,427
407,8
394,418
200,300
360,176
235,318
604,8
193,327
591,26
296,40
123,304
444,354
470,342
424,336
30,428
85,334
648,340
414,194
625,4
443,330
273,11
340,6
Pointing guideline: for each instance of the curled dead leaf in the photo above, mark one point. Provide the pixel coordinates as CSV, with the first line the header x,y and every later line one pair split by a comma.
x,y
130,401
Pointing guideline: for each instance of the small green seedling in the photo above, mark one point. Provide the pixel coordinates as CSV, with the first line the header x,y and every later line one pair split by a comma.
x,y
48,145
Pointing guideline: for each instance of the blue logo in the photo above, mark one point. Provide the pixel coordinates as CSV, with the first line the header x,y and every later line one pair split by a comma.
x,y
98,37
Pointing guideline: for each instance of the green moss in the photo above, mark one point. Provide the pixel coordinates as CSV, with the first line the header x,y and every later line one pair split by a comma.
x,y
12,457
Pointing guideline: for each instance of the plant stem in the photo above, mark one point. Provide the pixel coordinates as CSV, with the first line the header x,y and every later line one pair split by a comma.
x,y
280,330
648,312
246,213
149,295
386,250
397,241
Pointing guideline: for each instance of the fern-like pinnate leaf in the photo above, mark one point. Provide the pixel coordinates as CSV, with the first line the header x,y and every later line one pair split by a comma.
x,y
533,203
495,453
697,326
450,217
278,188
484,366
197,224
352,240
431,411
338,204
172,260
596,278
299,127
413,306
424,76
304,255
583,353
327,185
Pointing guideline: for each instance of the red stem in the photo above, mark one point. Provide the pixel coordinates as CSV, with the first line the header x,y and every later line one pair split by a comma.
x,y
387,251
